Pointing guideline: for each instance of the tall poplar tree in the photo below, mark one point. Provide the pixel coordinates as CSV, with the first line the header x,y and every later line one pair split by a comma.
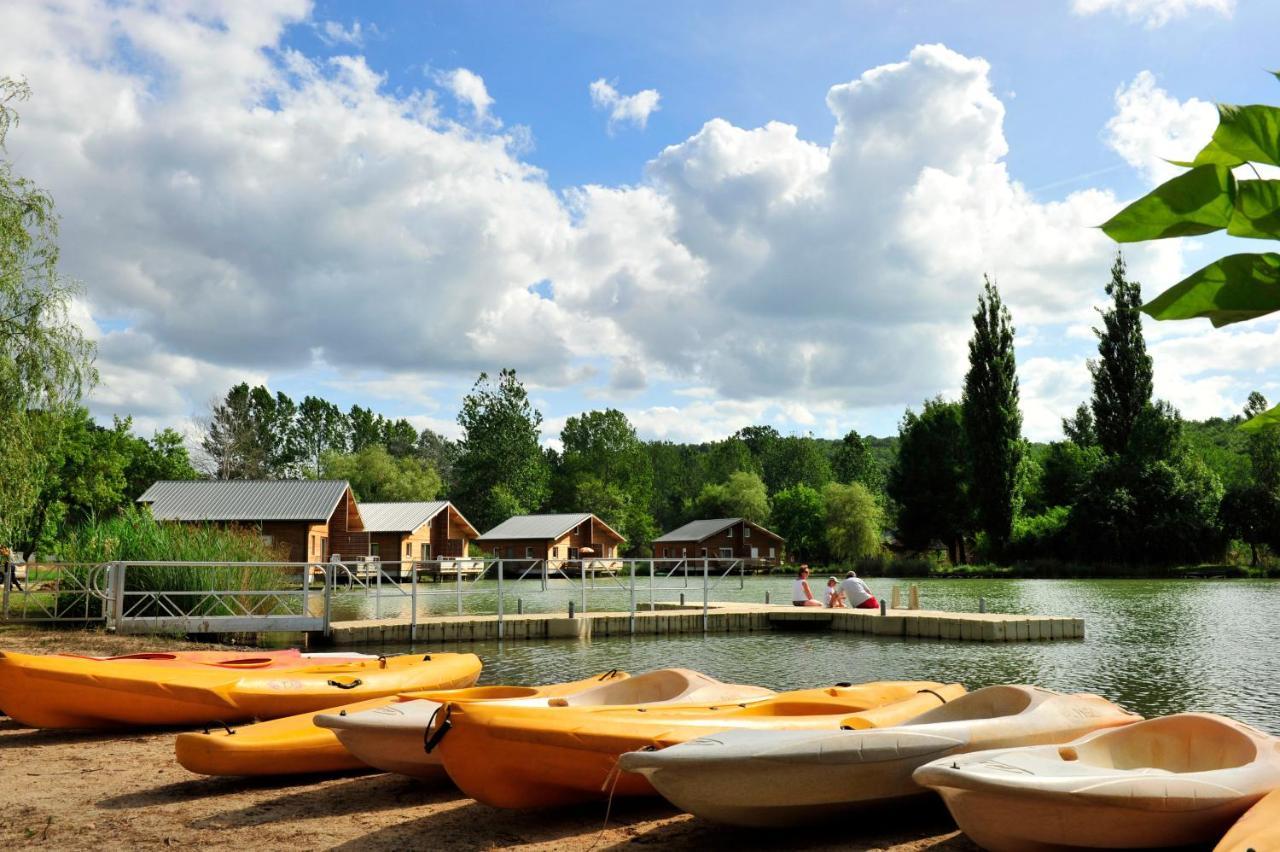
x,y
992,419
1122,373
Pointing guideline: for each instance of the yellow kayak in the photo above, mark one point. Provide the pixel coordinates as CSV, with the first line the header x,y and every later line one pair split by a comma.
x,y
1258,830
295,745
526,757
80,692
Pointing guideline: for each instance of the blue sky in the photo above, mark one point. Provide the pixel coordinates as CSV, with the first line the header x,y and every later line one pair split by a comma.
x,y
354,200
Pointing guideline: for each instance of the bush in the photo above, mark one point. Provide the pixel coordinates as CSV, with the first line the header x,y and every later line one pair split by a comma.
x,y
1039,536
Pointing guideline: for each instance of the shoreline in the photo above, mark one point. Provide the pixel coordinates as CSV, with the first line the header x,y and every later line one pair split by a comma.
x,y
117,790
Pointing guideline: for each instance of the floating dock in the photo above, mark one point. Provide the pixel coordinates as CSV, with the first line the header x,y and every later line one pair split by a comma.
x,y
672,619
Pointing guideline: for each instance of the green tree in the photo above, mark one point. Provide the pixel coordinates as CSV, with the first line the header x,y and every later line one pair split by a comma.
x,y
854,521
251,434
929,479
1065,470
46,363
760,440
376,476
439,452
677,479
725,458
1264,445
742,495
795,459
1251,514
1080,429
1122,373
399,437
602,458
163,457
365,426
854,461
799,516
992,419
500,450
320,427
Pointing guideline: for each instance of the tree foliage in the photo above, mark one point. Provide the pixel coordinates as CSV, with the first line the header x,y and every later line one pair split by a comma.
x,y
1122,373
799,516
854,521
992,417
501,466
930,479
603,468
376,476
855,461
46,363
742,495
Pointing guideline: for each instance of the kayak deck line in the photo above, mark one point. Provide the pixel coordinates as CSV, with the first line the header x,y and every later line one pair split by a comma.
x,y
720,617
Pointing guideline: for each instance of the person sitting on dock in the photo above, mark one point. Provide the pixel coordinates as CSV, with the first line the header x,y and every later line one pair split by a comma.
x,y
857,593
834,598
800,593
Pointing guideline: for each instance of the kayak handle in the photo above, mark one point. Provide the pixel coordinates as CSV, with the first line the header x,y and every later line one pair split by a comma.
x,y
934,694
230,732
609,675
341,685
431,739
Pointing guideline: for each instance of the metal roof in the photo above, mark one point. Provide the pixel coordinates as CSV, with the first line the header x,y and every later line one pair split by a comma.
x,y
245,499
541,526
403,517
699,530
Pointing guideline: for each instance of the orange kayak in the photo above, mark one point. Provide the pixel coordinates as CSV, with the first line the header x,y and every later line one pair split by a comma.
x,y
1257,830
526,757
295,745
77,692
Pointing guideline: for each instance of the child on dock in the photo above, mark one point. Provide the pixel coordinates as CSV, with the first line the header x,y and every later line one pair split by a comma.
x,y
834,598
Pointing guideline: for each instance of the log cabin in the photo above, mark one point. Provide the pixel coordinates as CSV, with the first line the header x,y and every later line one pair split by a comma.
x,y
721,538
562,542
417,532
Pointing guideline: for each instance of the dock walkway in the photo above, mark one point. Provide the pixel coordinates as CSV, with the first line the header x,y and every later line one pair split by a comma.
x,y
667,619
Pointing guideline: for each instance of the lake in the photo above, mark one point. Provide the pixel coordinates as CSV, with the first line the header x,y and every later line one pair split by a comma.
x,y
1154,646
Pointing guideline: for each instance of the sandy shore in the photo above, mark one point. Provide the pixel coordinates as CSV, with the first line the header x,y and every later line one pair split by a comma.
x,y
69,790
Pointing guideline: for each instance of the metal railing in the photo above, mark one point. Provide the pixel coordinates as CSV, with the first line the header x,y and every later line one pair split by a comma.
x,y
232,597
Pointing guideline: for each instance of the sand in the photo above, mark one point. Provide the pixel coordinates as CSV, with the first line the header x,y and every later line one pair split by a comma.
x,y
75,790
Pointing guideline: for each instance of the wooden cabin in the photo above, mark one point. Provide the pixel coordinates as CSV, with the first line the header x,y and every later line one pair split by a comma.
x,y
417,532
720,539
566,542
306,520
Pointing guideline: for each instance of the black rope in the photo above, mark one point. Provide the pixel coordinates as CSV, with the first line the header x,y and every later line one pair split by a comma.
x,y
429,745
934,694
612,673
224,726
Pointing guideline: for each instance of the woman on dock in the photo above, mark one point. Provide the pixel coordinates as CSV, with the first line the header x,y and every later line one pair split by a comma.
x,y
800,593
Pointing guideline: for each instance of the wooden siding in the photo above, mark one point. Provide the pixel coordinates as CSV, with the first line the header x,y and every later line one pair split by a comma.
x,y
731,538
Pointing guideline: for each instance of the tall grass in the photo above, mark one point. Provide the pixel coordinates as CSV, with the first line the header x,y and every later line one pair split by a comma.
x,y
135,536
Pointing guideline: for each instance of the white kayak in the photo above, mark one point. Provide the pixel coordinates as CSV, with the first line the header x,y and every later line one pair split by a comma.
x,y
390,738
776,778
1172,781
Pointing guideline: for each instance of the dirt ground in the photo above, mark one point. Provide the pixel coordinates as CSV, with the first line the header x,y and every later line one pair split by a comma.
x,y
71,790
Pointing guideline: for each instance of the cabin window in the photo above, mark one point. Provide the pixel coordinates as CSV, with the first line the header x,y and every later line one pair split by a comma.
x,y
730,533
573,553
313,545
424,551
555,552
324,547
528,553
268,540
703,553
408,550
375,548
772,552
726,553
746,532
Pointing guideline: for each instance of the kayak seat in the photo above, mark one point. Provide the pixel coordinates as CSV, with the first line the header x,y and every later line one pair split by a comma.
x,y
989,703
1175,744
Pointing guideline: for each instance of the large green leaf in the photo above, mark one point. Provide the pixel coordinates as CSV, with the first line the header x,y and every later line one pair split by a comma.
x,y
1265,420
1212,155
1233,289
1251,133
1198,202
1257,212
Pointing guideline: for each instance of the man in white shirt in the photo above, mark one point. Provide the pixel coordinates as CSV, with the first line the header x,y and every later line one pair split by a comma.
x,y
857,593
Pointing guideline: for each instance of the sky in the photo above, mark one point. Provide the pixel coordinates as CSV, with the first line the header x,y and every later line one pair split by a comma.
x,y
707,215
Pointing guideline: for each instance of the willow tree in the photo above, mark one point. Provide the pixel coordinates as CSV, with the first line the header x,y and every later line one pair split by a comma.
x,y
46,363
1210,196
992,418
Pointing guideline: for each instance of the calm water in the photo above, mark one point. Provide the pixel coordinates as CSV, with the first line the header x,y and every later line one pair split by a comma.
x,y
1155,646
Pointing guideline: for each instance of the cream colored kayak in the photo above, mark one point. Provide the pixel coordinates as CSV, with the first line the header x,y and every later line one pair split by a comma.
x,y
1173,781
391,737
779,777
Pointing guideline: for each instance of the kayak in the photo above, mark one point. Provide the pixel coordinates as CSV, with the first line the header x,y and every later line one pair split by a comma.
x,y
1173,781
524,757
1258,830
788,777
76,692
295,745
391,737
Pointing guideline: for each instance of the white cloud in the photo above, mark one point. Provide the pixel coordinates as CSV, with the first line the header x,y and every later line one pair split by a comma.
x,y
468,87
1151,127
333,33
250,212
624,109
1154,13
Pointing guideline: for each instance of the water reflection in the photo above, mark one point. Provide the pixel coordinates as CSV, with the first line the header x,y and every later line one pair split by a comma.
x,y
1154,646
